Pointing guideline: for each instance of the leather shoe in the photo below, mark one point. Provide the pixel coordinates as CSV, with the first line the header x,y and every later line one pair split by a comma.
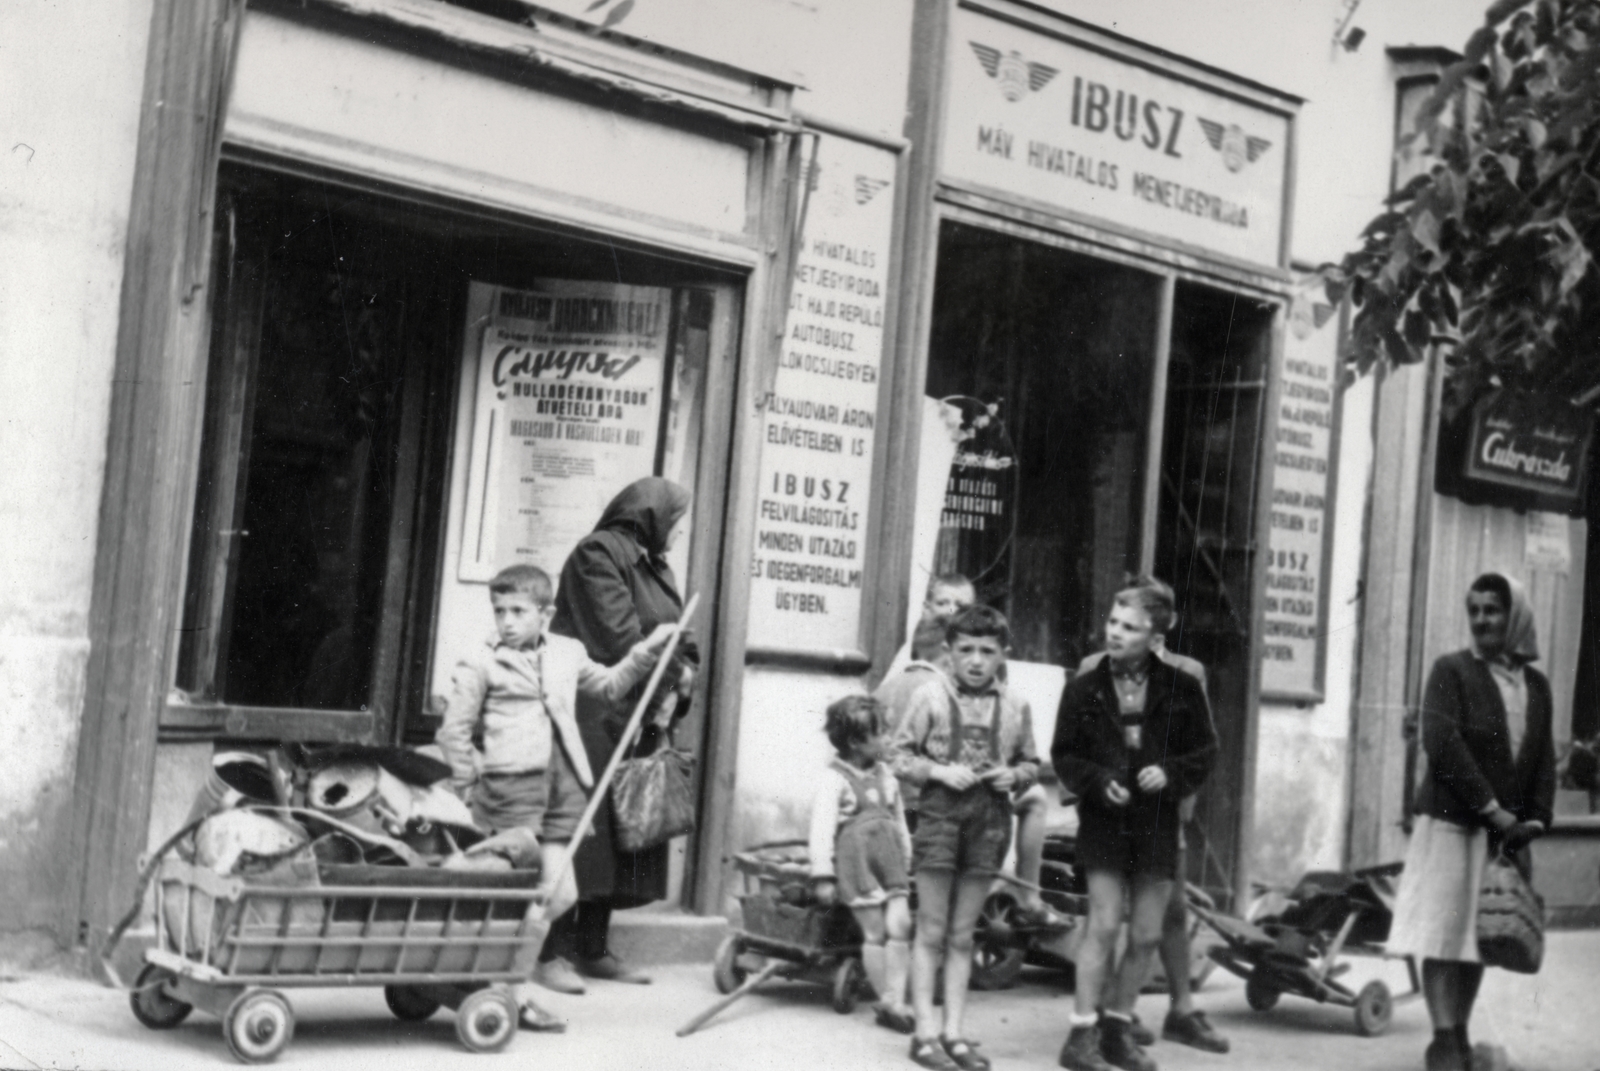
x,y
558,976
609,969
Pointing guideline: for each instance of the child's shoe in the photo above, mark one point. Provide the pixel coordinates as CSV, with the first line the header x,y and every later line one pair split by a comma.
x,y
1142,1035
929,1053
965,1053
1082,1050
900,1020
609,968
1119,1048
1193,1030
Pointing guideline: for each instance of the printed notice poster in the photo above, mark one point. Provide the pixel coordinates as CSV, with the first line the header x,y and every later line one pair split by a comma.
x,y
1548,544
567,413
819,421
1294,608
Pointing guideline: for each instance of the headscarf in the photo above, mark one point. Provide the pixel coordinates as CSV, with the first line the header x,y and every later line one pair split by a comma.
x,y
1522,637
648,508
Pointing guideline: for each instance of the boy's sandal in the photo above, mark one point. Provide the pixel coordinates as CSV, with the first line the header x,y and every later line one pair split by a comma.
x,y
965,1054
929,1053
900,1020
532,1017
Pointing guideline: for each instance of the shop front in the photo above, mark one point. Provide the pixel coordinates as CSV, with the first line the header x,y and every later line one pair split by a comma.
x,y
1105,371
449,283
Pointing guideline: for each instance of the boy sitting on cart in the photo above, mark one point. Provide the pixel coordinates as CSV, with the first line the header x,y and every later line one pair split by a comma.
x,y
519,690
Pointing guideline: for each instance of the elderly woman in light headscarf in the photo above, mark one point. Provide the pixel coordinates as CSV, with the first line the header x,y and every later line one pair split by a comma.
x,y
1489,786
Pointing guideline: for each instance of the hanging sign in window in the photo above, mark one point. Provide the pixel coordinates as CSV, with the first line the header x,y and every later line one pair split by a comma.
x,y
1294,609
567,413
819,422
980,499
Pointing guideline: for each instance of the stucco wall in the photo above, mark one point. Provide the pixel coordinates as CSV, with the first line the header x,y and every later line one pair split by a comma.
x,y
70,83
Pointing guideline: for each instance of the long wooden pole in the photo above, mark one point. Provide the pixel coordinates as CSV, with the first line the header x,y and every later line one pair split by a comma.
x,y
598,795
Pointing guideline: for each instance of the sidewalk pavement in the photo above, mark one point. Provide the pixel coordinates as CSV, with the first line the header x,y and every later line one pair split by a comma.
x,y
1550,1022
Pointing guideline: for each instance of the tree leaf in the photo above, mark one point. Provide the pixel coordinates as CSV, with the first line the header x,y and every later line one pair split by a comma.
x,y
617,14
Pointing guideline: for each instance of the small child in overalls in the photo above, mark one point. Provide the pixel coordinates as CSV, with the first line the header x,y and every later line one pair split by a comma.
x,y
861,850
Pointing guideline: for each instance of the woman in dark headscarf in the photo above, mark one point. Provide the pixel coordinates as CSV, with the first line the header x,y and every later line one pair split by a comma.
x,y
1489,786
616,587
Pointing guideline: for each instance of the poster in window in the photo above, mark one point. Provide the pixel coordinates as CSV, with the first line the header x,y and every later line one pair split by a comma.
x,y
980,500
567,413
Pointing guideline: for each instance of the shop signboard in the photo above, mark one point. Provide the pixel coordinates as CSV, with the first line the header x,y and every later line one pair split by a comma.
x,y
567,413
1294,611
1524,444
819,421
1069,126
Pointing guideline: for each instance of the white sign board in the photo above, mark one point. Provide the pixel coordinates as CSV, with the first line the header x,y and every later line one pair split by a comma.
x,y
1058,123
819,422
567,413
1548,543
1295,607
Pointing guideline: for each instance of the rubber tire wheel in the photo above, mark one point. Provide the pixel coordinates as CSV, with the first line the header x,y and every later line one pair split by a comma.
x,y
997,958
847,979
151,1006
487,1020
409,1003
1374,1009
725,969
1259,994
258,1025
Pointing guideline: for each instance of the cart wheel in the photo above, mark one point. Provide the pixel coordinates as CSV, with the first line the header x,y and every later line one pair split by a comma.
x,y
1259,993
409,1003
725,969
997,953
257,1025
847,980
1374,1007
151,1004
486,1020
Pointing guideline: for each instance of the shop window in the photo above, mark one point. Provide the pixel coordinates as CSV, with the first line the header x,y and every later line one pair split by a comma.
x,y
337,422
1048,355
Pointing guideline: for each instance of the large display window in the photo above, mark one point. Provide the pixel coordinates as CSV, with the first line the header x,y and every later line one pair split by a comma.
x,y
369,355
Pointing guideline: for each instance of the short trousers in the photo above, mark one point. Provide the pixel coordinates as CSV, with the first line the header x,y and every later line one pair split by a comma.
x,y
961,832
869,863
549,801
1021,800
1105,843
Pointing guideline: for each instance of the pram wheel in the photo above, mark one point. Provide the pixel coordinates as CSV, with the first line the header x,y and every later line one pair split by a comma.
x,y
997,955
257,1026
151,1004
726,971
1259,993
847,979
1374,1007
409,1003
486,1020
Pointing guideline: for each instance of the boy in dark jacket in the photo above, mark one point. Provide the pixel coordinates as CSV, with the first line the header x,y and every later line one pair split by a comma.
x,y
1133,737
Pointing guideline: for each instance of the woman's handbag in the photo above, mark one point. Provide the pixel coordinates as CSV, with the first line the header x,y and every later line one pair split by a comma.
x,y
1510,919
653,799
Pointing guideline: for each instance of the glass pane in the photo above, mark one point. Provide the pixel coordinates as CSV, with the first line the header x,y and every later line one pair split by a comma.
x,y
1046,357
316,478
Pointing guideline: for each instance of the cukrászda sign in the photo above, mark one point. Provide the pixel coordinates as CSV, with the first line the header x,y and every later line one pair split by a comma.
x,y
1530,443
1058,123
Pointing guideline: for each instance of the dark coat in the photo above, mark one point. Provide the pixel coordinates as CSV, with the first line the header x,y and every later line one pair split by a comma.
x,y
1469,748
1089,751
613,593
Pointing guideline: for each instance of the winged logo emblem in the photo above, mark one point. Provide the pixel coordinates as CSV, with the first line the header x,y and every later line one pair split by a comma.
x,y
1017,76
1237,147
867,188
